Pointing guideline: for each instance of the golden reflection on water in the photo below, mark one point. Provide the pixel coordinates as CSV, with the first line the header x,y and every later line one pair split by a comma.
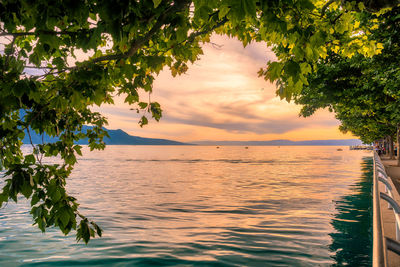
x,y
229,180
202,204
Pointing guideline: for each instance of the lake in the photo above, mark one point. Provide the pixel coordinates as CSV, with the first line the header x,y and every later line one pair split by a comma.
x,y
208,206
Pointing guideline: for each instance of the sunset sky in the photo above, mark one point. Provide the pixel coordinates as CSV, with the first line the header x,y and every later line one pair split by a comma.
x,y
221,97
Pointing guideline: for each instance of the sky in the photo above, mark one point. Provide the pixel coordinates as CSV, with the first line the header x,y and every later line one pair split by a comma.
x,y
221,97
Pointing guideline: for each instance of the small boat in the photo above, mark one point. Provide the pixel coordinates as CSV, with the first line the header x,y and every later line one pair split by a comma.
x,y
217,146
339,149
246,147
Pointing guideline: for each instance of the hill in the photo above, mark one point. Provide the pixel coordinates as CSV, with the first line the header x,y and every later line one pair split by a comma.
x,y
117,137
338,142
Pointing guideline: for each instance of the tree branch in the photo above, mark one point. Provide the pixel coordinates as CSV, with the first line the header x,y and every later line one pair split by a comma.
x,y
33,146
326,6
35,33
195,34
138,43
41,68
334,21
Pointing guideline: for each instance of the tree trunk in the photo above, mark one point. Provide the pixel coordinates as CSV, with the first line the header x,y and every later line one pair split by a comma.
x,y
398,144
385,148
391,147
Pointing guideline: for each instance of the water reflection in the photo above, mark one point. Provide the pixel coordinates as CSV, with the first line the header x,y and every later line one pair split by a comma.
x,y
198,206
352,243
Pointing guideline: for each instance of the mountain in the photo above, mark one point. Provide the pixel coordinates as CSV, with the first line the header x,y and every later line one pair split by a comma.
x,y
117,137
338,142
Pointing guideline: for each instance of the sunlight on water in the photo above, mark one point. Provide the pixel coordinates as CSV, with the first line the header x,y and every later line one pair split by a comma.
x,y
185,205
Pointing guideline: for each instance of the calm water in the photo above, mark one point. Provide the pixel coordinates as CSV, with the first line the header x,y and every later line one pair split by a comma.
x,y
262,206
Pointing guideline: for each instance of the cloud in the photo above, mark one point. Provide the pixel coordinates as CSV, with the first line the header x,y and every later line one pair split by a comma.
x,y
264,127
222,97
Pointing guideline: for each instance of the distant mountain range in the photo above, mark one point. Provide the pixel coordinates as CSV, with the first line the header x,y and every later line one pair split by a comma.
x,y
338,142
119,137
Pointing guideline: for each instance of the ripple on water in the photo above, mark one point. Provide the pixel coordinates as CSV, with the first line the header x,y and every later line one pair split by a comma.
x,y
293,206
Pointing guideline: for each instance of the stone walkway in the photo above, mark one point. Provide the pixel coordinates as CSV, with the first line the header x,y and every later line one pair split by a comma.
x,y
388,218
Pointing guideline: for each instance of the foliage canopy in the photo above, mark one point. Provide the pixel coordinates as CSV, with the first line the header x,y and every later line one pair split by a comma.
x,y
362,91
62,57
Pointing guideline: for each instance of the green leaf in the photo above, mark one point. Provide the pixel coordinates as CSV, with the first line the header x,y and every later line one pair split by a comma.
x,y
78,150
3,198
298,52
249,7
292,68
56,196
274,71
143,121
97,228
63,214
143,105
181,35
156,3
21,88
59,62
21,135
203,13
306,4
26,189
156,110
309,53
130,99
83,231
70,159
223,11
35,199
30,159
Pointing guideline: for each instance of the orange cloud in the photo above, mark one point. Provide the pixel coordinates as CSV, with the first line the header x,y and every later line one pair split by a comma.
x,y
221,97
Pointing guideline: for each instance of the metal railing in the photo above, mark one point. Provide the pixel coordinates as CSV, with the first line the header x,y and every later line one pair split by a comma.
x,y
381,243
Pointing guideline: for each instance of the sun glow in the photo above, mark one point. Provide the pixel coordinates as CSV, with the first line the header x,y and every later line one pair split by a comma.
x,y
221,97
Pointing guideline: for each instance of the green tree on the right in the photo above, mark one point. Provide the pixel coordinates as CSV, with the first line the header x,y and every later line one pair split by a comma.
x,y
363,92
